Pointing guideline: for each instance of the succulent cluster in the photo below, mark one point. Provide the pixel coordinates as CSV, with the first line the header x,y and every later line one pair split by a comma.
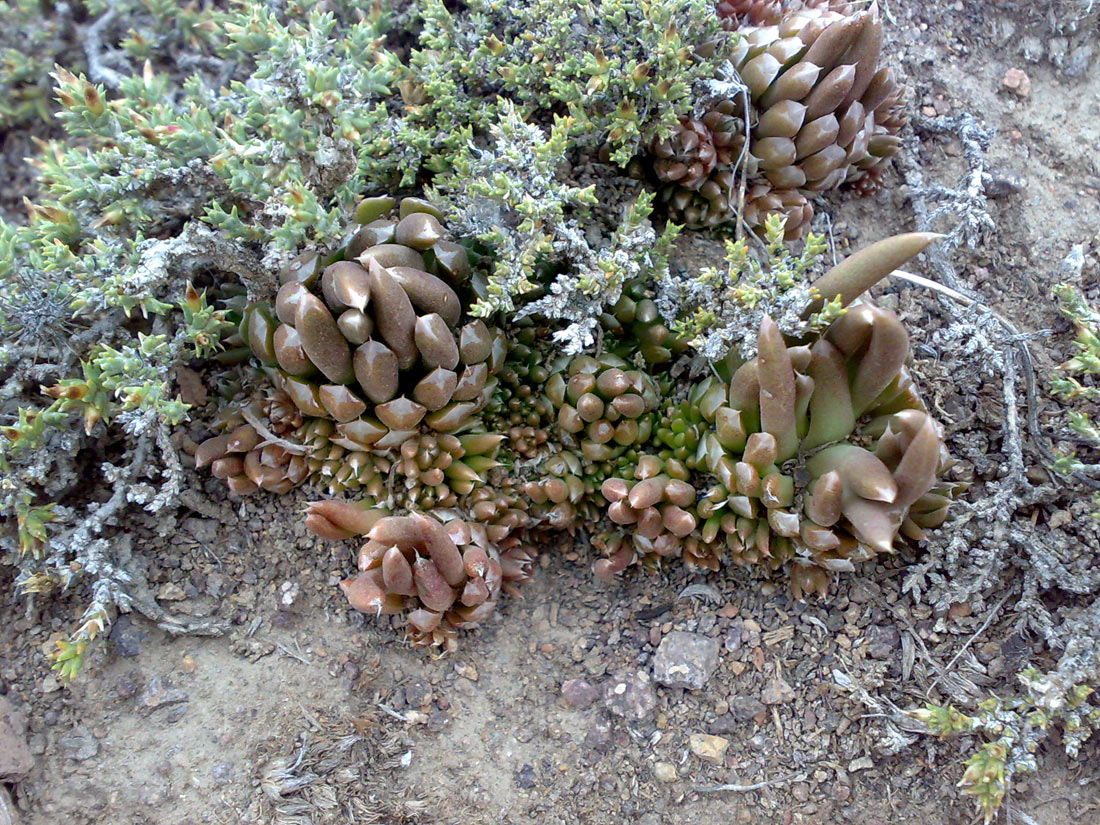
x,y
372,370
820,109
793,478
447,577
387,374
461,444
377,383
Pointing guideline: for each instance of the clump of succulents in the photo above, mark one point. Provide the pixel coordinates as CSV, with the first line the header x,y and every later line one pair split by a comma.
x,y
809,451
373,372
445,576
821,112
384,377
819,456
377,382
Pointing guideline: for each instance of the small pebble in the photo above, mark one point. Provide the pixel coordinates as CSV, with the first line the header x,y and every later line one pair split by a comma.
x,y
708,748
665,772
1017,82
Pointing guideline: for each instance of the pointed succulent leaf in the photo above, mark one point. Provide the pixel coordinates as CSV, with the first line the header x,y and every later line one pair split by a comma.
x,y
859,272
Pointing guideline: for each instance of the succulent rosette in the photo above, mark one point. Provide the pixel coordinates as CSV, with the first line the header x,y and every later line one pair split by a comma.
x,y
443,577
823,113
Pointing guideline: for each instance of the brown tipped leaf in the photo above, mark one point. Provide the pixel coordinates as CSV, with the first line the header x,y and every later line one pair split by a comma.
x,y
451,417
429,293
259,329
377,371
830,92
442,550
346,517
340,402
831,44
211,450
916,473
397,573
452,260
423,620
873,523
367,595
305,396
435,342
475,343
361,434
303,269
862,473
431,588
391,254
418,230
864,53
350,284
793,84
474,592
471,382
436,389
286,300
227,467
648,492
356,326
879,365
400,414
289,352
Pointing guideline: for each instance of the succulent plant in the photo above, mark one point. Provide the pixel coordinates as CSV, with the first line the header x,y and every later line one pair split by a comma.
x,y
376,328
735,13
443,577
655,511
250,456
637,324
377,389
808,453
518,408
823,113
820,456
601,404
369,346
698,163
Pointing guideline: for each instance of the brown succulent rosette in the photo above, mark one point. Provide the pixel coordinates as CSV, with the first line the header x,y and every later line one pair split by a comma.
x,y
443,577
824,113
369,346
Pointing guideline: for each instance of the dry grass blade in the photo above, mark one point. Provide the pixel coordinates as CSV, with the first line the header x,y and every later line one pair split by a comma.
x,y
341,772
